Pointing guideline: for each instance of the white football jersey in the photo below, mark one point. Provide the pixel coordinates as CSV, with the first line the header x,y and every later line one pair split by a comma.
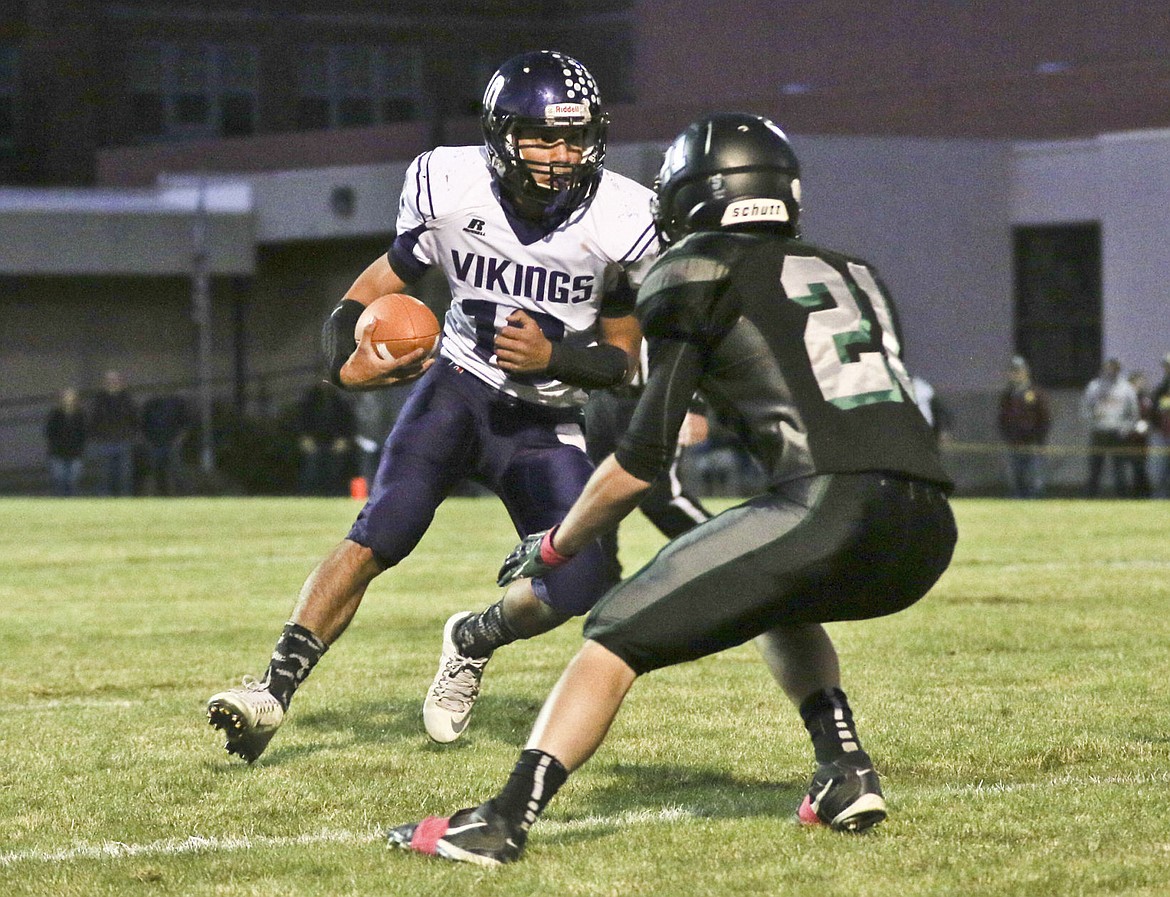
x,y
449,216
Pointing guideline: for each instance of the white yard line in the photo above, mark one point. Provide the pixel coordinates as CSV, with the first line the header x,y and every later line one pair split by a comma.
x,y
197,844
174,846
69,704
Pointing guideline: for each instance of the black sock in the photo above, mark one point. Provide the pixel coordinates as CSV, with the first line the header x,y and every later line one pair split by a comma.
x,y
480,634
533,783
829,721
296,653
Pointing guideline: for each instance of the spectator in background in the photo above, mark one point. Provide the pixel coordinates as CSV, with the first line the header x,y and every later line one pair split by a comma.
x,y
324,437
1025,417
65,437
165,422
113,429
1110,405
1137,455
1160,432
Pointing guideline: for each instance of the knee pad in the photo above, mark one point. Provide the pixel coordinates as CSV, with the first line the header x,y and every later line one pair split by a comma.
x,y
579,584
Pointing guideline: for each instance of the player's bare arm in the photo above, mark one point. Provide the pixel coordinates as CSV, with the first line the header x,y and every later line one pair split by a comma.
x,y
611,493
615,489
365,368
626,334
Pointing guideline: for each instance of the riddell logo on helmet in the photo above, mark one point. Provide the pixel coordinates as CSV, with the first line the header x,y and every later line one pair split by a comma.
x,y
575,111
745,210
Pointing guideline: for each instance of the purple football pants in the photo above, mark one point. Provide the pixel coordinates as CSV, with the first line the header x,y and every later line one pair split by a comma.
x,y
455,427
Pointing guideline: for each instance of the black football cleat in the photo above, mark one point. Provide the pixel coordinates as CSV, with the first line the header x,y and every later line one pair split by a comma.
x,y
844,795
477,835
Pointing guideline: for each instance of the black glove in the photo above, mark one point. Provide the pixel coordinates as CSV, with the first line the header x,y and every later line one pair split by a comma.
x,y
532,558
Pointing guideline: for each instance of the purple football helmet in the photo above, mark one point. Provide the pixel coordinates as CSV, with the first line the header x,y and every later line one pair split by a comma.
x,y
544,89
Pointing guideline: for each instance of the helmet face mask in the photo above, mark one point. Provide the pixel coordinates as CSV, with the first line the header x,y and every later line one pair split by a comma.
x,y
728,170
551,176
542,99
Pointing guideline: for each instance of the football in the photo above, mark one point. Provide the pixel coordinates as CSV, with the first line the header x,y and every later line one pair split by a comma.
x,y
403,325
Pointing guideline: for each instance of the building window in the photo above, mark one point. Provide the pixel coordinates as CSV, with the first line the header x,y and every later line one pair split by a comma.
x,y
191,91
9,83
355,86
1058,302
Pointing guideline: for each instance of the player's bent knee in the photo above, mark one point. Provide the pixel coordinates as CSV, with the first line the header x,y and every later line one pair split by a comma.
x,y
362,559
599,656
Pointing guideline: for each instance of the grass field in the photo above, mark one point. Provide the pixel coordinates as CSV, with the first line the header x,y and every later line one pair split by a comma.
x,y
1020,716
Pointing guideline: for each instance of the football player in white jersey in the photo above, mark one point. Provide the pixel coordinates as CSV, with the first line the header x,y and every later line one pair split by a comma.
x,y
542,248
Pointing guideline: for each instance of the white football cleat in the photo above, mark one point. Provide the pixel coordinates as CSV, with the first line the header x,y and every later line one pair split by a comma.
x,y
455,688
248,715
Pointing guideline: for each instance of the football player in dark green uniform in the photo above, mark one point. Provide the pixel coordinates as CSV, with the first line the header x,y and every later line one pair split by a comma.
x,y
801,346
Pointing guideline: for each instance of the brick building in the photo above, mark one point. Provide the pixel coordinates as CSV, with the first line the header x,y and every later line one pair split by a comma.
x,y
948,142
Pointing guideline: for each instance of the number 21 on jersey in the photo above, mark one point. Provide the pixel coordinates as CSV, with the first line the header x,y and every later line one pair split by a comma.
x,y
847,379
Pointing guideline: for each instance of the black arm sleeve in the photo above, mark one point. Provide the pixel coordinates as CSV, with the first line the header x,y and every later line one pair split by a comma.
x,y
337,341
595,367
648,446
